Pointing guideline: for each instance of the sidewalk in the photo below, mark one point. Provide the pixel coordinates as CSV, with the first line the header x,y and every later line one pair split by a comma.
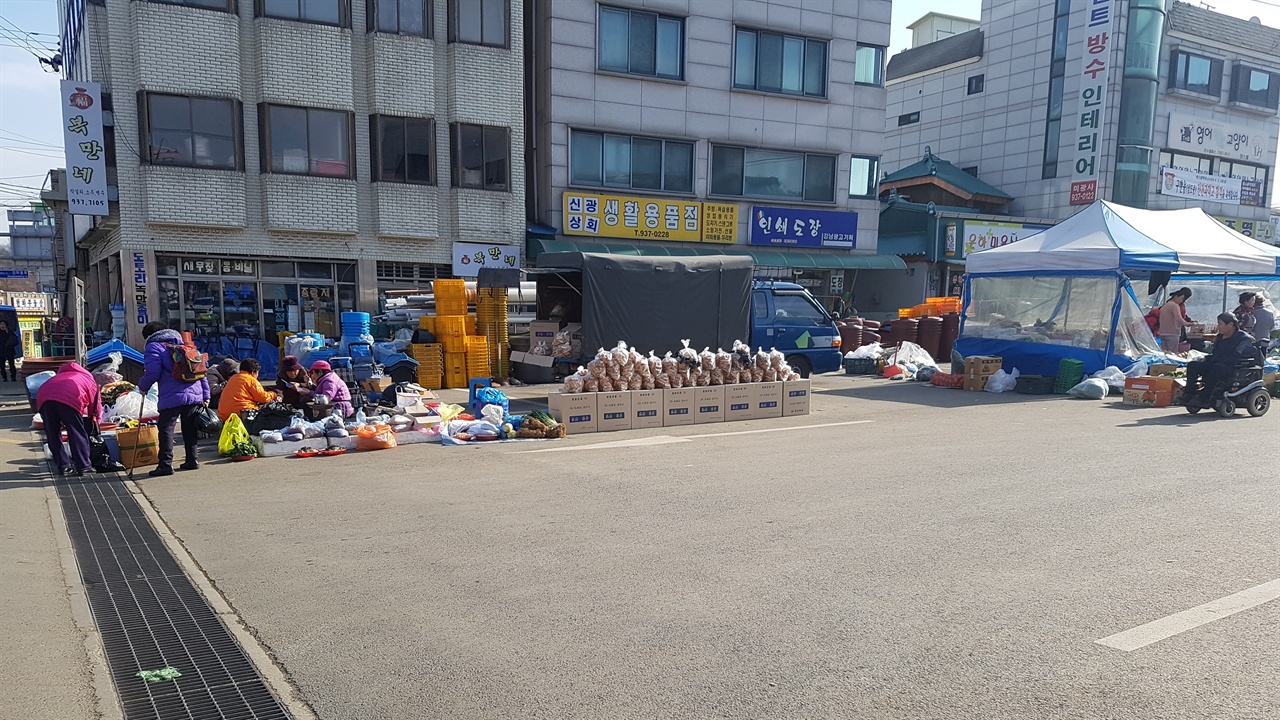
x,y
43,660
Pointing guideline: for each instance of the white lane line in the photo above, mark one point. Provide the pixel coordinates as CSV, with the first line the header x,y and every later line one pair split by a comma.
x,y
636,442
1167,627
780,429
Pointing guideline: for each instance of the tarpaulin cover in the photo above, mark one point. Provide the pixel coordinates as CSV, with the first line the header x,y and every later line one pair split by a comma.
x,y
1106,236
655,302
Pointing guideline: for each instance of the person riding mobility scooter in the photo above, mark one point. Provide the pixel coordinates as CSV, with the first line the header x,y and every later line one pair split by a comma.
x,y
1230,377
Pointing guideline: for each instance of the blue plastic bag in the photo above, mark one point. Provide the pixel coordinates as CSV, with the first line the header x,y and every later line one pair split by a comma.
x,y
492,396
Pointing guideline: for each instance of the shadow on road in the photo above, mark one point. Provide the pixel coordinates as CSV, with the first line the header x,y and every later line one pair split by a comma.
x,y
924,394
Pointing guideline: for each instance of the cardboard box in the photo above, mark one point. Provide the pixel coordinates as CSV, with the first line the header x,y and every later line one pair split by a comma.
x,y
795,398
646,409
541,330
517,356
976,383
982,365
738,400
577,412
768,400
708,404
378,384
545,361
614,409
1161,369
1149,391
677,407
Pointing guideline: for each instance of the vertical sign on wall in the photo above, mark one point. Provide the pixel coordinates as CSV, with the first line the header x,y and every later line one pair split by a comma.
x,y
83,144
1094,73
140,286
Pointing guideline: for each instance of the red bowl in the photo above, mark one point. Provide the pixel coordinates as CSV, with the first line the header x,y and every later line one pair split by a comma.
x,y
242,458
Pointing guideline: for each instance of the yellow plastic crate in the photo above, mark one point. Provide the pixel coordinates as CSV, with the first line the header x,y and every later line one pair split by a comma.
x,y
453,344
451,326
428,323
455,379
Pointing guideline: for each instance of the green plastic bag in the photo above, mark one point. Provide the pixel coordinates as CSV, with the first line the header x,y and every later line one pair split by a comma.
x,y
233,433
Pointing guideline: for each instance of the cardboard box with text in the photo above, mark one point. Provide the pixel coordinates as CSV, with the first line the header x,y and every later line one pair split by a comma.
x,y
577,412
795,398
708,404
737,401
646,409
677,407
614,411
768,400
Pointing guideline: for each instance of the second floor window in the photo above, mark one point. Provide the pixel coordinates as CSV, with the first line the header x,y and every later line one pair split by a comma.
x,y
751,172
604,160
321,12
779,63
400,17
868,65
641,43
403,149
1195,73
863,176
192,131
306,141
478,22
1254,86
481,156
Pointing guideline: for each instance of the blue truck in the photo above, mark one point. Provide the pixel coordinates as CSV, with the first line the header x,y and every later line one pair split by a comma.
x,y
656,302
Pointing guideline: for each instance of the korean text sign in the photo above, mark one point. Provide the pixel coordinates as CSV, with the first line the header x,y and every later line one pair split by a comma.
x,y
802,227
468,258
1205,136
1086,139
1199,186
986,235
86,156
648,218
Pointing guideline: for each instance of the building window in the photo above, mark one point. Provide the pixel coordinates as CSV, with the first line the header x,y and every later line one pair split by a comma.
x,y
320,12
864,176
403,149
192,131
868,65
481,156
779,63
749,172
1057,79
306,141
479,22
976,84
639,163
220,5
910,118
1255,87
399,17
1183,161
1195,73
640,43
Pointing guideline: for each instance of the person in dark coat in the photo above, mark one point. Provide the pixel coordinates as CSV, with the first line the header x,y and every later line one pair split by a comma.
x,y
9,345
69,401
290,379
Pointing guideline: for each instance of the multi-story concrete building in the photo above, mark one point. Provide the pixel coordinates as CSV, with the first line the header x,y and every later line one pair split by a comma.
x,y
1150,103
682,127
278,161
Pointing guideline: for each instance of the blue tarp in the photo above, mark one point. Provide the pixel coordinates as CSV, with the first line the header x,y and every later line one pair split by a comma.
x,y
1038,358
99,354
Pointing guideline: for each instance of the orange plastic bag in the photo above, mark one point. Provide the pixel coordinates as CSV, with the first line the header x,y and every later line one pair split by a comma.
x,y
375,437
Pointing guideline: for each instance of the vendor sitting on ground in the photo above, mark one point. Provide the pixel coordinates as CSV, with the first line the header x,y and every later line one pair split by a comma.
x,y
1231,346
243,391
328,383
291,377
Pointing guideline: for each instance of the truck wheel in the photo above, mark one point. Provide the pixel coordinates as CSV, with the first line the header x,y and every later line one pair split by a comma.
x,y
801,364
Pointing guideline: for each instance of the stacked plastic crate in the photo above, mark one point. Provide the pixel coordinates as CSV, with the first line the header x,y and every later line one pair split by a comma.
x,y
491,323
430,365
450,326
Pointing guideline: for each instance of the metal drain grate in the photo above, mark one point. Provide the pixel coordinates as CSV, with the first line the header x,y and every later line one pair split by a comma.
x,y
151,616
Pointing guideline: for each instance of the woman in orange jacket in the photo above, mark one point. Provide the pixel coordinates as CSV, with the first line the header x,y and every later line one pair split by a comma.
x,y
243,391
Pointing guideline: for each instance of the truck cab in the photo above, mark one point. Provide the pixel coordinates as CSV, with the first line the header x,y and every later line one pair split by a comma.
x,y
785,316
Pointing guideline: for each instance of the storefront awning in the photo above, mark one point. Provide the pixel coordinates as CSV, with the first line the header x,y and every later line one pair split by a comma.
x,y
762,257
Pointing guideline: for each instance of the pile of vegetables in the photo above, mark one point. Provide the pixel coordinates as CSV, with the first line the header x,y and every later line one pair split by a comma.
x,y
540,425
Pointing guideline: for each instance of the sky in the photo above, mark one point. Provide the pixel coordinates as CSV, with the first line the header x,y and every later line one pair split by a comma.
x,y
30,118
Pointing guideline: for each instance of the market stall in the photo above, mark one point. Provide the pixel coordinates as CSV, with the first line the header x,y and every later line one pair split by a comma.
x,y
1066,292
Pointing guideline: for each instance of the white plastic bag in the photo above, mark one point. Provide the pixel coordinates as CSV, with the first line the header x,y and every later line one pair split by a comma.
x,y
1091,389
867,352
493,413
1112,376
909,353
1137,369
133,405
1002,381
112,365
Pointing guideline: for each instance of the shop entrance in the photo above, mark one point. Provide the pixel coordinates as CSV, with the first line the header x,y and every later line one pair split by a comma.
x,y
253,299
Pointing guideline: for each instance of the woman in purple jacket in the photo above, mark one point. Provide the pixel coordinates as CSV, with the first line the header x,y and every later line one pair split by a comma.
x,y
178,400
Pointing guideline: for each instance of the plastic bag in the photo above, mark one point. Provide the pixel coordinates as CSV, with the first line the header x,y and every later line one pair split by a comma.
x,y
493,413
482,429
133,406
35,381
207,420
1112,376
542,348
867,352
1137,369
272,436
562,344
112,364
909,352
233,434
375,437
575,382
493,396
337,433
1091,389
1002,381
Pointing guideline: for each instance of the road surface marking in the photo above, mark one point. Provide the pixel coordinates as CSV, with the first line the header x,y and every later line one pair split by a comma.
x,y
668,439
1167,627
636,442
780,429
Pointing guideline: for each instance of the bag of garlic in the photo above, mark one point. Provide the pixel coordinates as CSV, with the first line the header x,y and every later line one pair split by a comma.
x,y
574,383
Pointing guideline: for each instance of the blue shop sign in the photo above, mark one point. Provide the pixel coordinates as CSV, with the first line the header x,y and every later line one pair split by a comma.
x,y
802,227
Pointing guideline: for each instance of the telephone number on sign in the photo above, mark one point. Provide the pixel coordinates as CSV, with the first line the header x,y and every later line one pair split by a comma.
x,y
653,233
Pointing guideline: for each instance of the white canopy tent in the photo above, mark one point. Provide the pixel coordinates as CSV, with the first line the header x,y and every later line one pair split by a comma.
x,y
1106,236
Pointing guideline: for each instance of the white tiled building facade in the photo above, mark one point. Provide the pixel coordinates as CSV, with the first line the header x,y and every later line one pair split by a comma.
x,y
588,92
423,65
986,100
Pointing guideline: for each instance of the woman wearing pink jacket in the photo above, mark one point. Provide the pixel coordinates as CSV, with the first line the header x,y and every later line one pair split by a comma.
x,y
69,401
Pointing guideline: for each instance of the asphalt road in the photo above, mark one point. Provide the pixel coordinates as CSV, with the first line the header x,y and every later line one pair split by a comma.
x,y
952,555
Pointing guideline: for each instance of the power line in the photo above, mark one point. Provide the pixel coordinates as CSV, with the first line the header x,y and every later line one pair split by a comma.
x,y
32,152
26,140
